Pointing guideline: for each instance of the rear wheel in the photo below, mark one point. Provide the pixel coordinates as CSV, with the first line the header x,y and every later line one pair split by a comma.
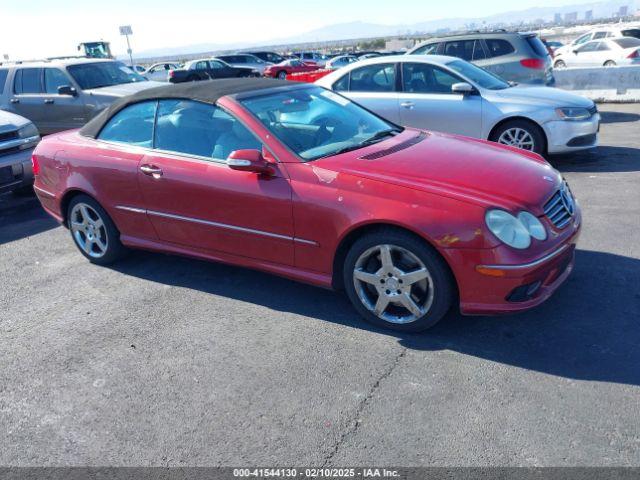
x,y
93,231
282,75
395,280
520,134
560,64
609,63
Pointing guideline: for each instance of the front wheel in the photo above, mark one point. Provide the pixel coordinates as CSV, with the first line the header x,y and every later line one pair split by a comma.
x,y
282,75
395,280
609,63
520,134
93,231
559,64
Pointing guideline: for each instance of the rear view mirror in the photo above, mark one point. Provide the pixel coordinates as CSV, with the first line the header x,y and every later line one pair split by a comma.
x,y
249,161
462,87
67,90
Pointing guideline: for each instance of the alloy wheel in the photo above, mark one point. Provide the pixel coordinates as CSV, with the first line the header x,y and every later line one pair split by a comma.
x,y
88,230
517,137
393,284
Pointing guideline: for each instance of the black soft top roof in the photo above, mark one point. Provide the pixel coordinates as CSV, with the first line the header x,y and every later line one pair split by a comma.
x,y
208,91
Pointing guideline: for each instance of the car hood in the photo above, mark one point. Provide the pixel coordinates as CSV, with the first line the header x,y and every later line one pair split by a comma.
x,y
553,97
11,121
471,170
123,89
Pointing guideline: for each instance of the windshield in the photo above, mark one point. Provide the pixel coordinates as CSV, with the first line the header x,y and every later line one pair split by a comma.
x,y
477,75
315,123
103,74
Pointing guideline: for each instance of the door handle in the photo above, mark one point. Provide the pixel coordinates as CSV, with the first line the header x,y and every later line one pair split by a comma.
x,y
155,172
14,100
48,101
408,105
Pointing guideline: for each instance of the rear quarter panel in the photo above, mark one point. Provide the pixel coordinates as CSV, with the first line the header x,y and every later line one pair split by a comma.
x,y
70,164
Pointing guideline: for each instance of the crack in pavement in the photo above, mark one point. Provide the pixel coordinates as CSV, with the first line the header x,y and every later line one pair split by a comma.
x,y
354,423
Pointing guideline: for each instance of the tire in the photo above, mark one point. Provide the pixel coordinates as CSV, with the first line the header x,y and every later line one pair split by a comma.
x,y
530,136
93,232
282,75
560,64
192,79
433,295
609,63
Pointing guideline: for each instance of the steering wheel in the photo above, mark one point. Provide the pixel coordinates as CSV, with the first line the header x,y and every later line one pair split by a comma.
x,y
323,134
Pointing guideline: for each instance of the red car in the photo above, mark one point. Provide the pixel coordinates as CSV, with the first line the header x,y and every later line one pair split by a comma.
x,y
299,181
282,69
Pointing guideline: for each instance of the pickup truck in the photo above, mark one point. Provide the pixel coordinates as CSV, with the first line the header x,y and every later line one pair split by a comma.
x,y
209,69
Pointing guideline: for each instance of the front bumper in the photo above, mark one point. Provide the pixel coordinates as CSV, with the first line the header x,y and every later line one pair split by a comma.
x,y
16,170
564,136
489,288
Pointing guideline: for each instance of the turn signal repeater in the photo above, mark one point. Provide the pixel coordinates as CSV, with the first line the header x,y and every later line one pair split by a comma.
x,y
490,272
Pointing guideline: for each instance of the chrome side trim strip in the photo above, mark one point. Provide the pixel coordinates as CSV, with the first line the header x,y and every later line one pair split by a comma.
x,y
131,209
535,263
216,224
306,242
44,192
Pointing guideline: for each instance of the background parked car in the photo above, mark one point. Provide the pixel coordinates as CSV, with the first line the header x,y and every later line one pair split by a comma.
x,y
451,95
159,72
244,60
138,69
207,69
516,57
281,70
18,138
266,56
317,58
597,53
599,33
62,94
340,61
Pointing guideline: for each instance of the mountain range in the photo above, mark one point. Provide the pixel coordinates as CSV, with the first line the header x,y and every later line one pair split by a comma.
x,y
358,29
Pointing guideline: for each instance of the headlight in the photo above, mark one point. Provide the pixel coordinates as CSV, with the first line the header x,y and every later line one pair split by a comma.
x,y
533,225
28,130
573,114
508,229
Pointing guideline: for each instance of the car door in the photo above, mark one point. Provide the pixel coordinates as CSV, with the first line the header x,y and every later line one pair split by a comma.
x,y
586,55
217,69
427,101
62,112
27,97
196,201
375,87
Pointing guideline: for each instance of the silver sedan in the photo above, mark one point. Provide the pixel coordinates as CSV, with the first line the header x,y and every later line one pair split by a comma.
x,y
451,95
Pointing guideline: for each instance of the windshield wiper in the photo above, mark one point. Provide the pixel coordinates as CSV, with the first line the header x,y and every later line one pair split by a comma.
x,y
339,151
379,136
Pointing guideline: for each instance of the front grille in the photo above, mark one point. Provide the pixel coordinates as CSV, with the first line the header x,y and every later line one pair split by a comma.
x,y
593,110
6,136
561,207
396,148
8,151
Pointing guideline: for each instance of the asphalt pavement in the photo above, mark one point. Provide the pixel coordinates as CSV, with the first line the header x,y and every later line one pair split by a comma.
x,y
168,361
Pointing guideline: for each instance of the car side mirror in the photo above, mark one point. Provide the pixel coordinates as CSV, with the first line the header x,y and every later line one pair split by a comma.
x,y
463,88
67,90
249,161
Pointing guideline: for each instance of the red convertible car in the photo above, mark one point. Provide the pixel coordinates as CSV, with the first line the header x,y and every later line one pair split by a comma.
x,y
281,70
299,181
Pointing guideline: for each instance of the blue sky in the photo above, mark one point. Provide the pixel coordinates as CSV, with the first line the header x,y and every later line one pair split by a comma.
x,y
39,28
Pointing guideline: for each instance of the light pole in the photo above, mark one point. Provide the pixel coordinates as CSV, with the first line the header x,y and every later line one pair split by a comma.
x,y
126,31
